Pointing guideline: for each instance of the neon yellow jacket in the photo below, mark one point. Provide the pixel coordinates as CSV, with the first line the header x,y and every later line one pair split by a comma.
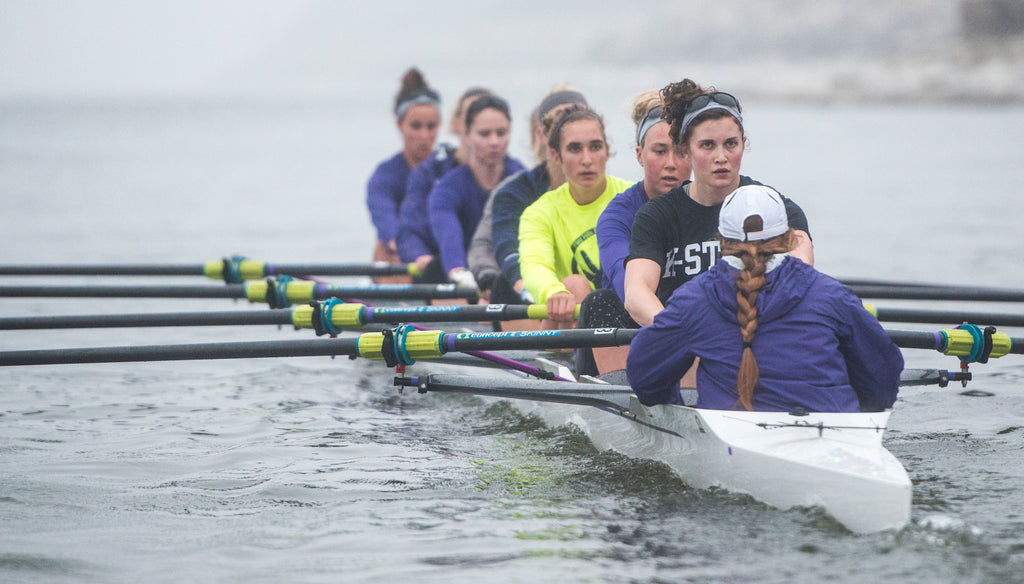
x,y
557,238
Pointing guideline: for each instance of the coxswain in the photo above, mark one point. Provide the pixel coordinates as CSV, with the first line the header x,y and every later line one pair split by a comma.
x,y
770,331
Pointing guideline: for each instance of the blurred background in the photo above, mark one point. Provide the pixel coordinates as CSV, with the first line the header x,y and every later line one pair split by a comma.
x,y
917,50
215,125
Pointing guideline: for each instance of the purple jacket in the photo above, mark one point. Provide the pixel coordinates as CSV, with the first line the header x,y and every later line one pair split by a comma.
x,y
614,228
385,193
816,346
414,238
455,207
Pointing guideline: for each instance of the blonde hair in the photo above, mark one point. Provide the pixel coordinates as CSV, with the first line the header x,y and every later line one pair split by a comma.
x,y
644,102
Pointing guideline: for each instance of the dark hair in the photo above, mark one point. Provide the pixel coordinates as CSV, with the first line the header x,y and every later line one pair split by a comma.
x,y
573,113
486,102
413,86
675,97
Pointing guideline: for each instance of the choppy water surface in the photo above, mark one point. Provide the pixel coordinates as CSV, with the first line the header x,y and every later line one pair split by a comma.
x,y
318,470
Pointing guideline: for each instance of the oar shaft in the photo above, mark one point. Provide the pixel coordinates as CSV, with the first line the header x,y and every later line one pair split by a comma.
x,y
418,345
550,339
454,313
254,269
343,316
939,293
189,352
103,270
168,319
225,291
255,291
949,317
374,269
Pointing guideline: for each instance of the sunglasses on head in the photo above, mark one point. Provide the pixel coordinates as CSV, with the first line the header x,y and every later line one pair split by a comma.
x,y
719,97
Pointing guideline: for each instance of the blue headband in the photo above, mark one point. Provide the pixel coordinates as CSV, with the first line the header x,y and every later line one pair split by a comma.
x,y
652,118
711,105
417,97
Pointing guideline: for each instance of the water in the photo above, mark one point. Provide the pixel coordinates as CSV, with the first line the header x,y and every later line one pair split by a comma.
x,y
316,470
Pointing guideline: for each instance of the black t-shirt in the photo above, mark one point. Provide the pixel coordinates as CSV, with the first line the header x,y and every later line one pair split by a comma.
x,y
681,235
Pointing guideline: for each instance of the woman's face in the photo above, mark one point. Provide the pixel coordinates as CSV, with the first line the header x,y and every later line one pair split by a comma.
x,y
583,153
488,137
715,150
665,166
419,128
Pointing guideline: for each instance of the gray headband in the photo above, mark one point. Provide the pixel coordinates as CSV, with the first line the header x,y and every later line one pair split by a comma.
x,y
418,97
559,98
689,117
652,118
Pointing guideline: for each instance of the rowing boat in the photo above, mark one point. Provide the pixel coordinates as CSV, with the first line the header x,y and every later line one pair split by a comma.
x,y
835,461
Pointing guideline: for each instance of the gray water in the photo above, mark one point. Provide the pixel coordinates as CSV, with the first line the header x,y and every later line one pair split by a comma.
x,y
317,470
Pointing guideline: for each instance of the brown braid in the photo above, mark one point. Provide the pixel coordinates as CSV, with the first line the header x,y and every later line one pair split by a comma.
x,y
755,255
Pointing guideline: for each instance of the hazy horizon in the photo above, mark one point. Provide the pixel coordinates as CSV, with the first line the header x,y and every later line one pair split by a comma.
x,y
874,50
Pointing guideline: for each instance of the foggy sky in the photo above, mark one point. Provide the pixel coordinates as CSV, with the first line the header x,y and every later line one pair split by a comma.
x,y
782,49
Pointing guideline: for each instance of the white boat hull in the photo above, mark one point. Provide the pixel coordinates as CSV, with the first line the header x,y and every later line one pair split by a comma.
x,y
835,461
843,470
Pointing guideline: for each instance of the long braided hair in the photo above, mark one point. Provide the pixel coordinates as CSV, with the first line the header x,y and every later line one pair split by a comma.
x,y
749,282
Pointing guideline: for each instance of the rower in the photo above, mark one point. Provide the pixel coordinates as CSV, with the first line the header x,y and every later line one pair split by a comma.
x,y
771,332
673,238
494,252
415,242
665,167
457,201
558,253
418,117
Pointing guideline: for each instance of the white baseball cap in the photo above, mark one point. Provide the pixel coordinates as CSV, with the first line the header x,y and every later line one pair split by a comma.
x,y
748,201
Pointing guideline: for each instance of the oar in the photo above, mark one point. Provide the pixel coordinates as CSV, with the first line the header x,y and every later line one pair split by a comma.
x,y
930,292
604,396
331,316
614,397
890,283
232,270
399,347
970,342
279,294
945,316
